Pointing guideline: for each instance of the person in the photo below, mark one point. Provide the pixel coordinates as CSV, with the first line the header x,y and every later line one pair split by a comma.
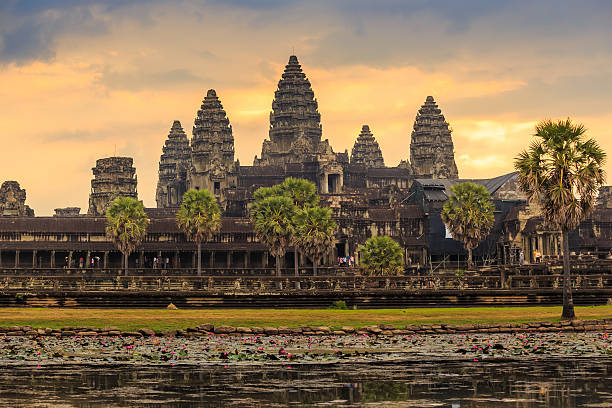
x,y
522,258
167,263
80,262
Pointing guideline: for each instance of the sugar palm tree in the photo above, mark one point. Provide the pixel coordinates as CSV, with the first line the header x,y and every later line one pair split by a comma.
x,y
272,219
126,225
381,256
303,193
562,171
468,215
315,232
199,218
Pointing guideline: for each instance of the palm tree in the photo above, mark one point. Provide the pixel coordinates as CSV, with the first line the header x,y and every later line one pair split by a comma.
x,y
303,193
562,171
315,232
381,256
199,218
272,219
126,225
468,215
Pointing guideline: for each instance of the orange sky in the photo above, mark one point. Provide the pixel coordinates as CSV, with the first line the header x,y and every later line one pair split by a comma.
x,y
79,82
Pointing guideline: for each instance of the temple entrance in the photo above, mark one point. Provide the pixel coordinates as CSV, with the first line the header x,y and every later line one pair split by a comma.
x,y
333,183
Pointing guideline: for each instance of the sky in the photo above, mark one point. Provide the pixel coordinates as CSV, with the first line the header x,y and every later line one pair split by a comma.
x,y
82,80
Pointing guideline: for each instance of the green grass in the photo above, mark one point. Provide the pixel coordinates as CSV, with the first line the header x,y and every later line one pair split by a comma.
x,y
164,319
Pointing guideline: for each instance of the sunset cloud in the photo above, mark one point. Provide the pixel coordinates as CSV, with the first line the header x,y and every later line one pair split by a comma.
x,y
82,80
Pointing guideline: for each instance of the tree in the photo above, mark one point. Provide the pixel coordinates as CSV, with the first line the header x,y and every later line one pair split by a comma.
x,y
468,215
562,171
126,225
381,256
272,219
315,232
199,218
302,193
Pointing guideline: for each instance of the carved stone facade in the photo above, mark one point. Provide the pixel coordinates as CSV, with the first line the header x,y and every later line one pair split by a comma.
x,y
431,145
212,149
174,164
366,150
67,212
295,122
113,177
12,200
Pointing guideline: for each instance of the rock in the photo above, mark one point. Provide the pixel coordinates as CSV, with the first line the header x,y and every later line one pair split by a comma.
x,y
257,330
296,330
147,332
386,326
270,330
576,323
339,332
374,329
171,307
87,333
244,330
324,329
348,329
207,327
284,330
131,334
110,328
225,329
114,333
67,333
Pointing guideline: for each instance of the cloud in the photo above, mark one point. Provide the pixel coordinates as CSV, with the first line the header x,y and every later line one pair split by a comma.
x,y
135,81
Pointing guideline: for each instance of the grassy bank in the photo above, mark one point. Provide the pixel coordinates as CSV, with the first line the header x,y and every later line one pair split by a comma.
x,y
164,319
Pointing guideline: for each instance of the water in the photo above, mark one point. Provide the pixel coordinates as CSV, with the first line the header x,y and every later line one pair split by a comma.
x,y
550,383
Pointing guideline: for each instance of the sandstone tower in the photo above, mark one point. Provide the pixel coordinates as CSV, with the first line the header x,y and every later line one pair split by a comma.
x,y
174,164
113,177
431,146
212,149
12,200
295,122
366,150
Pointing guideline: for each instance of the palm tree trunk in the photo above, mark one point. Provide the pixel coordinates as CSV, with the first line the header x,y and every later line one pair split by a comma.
x,y
469,263
295,260
314,266
199,259
125,263
568,301
278,266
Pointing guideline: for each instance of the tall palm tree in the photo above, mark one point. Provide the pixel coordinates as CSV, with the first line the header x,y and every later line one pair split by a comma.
x,y
468,215
381,256
272,219
126,225
303,193
315,232
562,171
199,218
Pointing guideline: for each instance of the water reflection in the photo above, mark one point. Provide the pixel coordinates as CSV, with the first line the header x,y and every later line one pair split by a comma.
x,y
563,383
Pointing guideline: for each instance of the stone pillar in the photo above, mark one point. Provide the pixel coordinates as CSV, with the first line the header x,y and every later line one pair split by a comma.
x,y
88,260
105,261
264,259
34,263
52,260
0,258
246,259
212,259
70,259
175,264
541,244
229,259
16,259
194,259
141,259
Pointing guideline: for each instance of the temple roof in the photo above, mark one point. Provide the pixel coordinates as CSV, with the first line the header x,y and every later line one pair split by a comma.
x,y
366,150
439,189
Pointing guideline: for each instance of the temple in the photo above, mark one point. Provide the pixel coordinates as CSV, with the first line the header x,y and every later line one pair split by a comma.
x,y
367,197
113,177
431,145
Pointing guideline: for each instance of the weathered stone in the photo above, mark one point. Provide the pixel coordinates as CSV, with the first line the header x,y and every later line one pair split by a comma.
x,y
366,150
224,329
174,164
147,332
87,333
244,330
270,330
12,200
324,329
113,177
206,327
347,329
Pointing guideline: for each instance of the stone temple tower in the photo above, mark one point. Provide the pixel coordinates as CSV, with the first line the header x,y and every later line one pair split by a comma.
x,y
174,164
431,145
295,122
366,150
113,177
212,149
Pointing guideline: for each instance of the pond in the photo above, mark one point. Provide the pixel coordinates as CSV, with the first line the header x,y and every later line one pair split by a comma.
x,y
446,383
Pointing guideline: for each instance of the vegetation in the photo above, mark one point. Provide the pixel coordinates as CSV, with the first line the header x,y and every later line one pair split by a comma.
x,y
562,171
314,233
338,305
468,215
272,219
381,256
126,225
308,227
164,319
199,218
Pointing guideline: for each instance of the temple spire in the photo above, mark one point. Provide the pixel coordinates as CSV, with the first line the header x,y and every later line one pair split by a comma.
x,y
173,166
431,145
366,150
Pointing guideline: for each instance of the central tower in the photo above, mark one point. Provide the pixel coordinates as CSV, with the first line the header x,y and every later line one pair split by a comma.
x,y
295,122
